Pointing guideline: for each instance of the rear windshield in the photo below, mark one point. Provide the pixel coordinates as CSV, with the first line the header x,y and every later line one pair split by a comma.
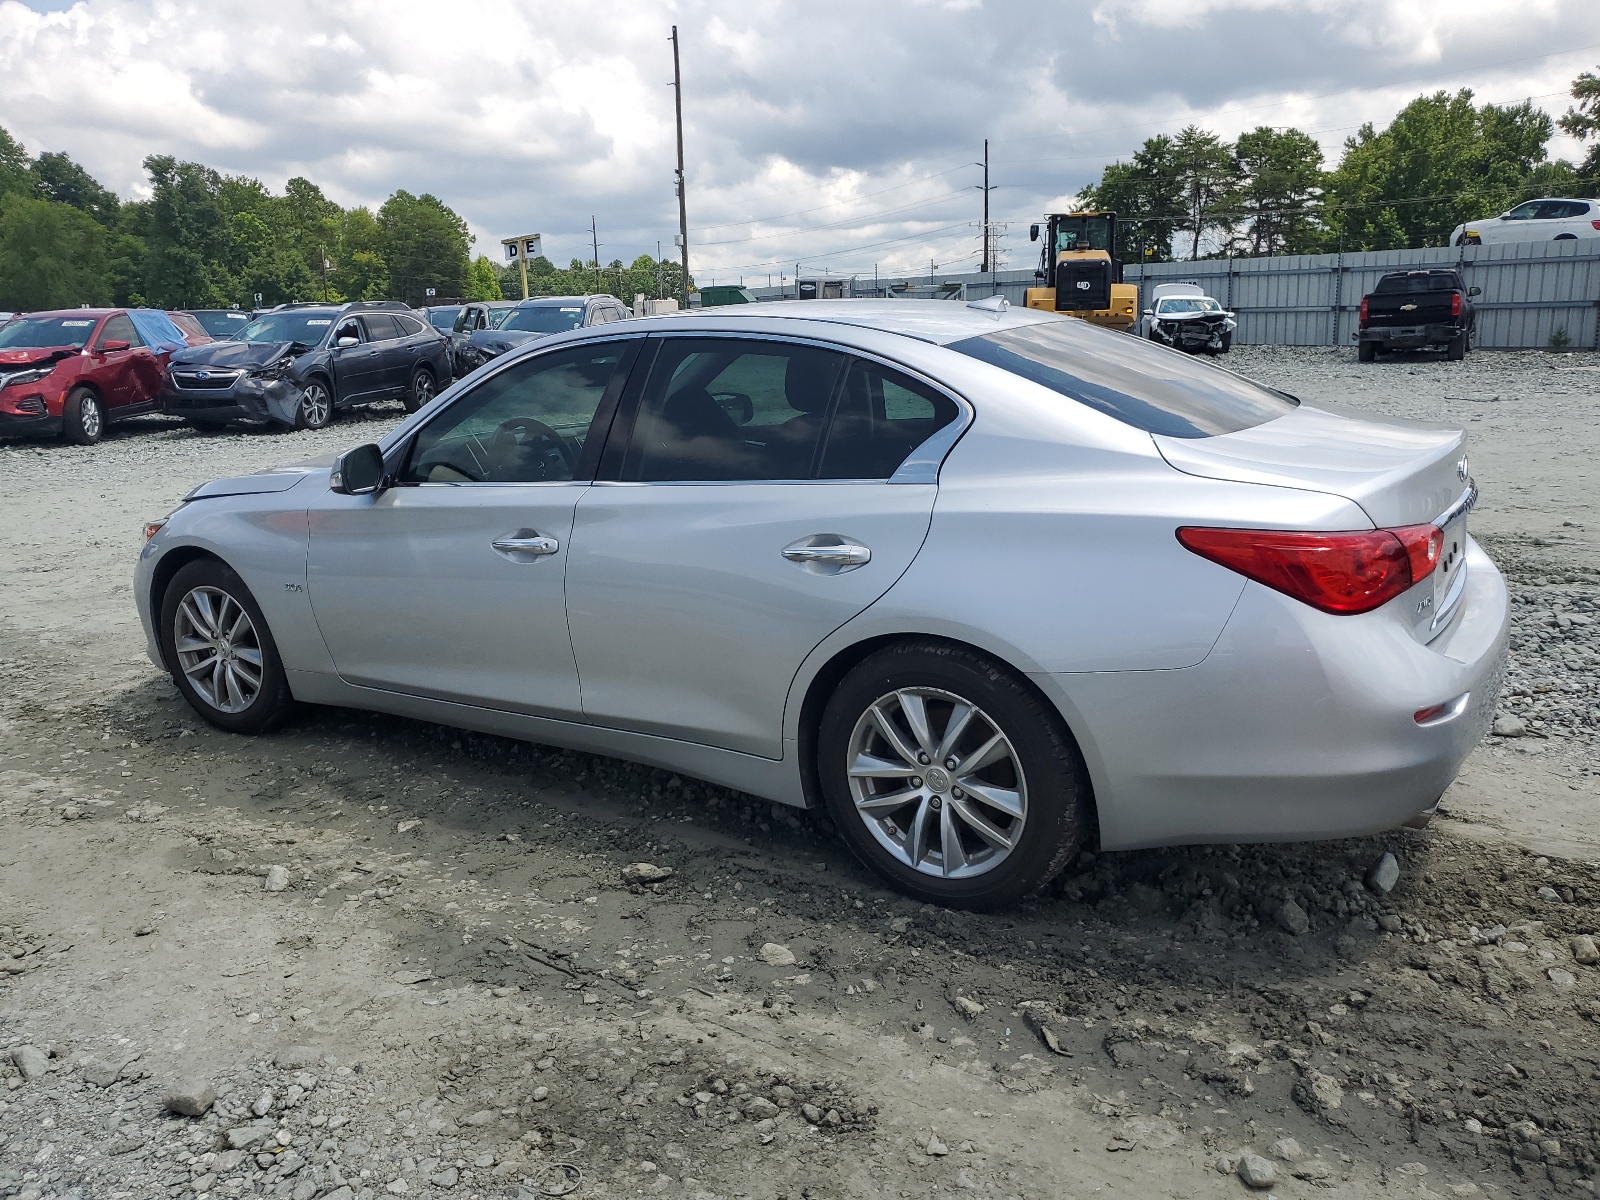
x,y
1447,281
48,331
221,324
307,327
443,318
1137,382
543,319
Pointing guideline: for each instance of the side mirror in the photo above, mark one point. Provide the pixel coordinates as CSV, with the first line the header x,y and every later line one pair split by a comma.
x,y
358,472
1474,291
1033,233
113,344
347,341
1040,275
1505,216
1149,312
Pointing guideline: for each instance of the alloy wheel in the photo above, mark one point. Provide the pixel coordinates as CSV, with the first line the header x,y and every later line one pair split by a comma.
x,y
314,406
937,782
89,417
423,388
218,648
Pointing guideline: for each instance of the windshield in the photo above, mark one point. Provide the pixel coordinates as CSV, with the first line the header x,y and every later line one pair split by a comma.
x,y
221,324
48,331
1189,304
546,318
443,318
1083,233
305,327
1139,383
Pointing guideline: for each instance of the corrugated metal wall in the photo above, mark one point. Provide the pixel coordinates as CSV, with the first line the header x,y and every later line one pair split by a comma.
x,y
1530,291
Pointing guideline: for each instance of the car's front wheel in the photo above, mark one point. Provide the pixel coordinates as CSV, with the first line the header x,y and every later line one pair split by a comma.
x,y
422,390
951,778
316,406
220,652
83,417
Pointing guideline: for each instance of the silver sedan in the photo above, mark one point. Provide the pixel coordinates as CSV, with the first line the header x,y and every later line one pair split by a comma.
x,y
989,585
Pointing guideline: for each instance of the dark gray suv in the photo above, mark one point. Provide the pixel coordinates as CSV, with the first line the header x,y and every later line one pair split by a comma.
x,y
299,364
528,321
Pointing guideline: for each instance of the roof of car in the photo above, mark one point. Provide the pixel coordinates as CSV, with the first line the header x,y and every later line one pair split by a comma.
x,y
91,313
547,301
936,321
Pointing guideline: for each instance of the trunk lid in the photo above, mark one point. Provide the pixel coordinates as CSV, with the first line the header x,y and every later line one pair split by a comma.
x,y
1399,472
1397,309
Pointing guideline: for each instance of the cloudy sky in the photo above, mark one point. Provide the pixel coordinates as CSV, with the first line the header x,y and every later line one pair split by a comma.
x,y
835,133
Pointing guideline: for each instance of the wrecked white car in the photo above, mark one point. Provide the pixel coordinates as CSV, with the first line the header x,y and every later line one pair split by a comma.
x,y
1185,318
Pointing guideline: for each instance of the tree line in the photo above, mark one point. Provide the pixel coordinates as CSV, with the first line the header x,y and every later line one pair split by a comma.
x,y
204,239
1442,160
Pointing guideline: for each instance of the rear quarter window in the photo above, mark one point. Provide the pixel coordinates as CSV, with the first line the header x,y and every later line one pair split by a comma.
x,y
1140,384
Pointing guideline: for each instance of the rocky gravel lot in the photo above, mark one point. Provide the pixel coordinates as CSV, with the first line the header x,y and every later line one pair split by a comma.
x,y
369,957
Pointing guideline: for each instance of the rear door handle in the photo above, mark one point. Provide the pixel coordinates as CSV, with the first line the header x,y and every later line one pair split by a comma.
x,y
535,547
827,554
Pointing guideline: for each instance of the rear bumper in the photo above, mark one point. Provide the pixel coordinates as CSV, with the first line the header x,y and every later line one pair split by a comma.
x,y
21,425
1410,337
1299,725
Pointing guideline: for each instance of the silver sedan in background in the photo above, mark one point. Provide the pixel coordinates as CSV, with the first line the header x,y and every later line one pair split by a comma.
x,y
990,585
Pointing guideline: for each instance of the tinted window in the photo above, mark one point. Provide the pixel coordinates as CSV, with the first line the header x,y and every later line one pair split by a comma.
x,y
882,417
546,318
120,329
719,409
1417,281
1141,384
527,424
381,327
222,324
497,317
47,331
1524,212
410,326
308,328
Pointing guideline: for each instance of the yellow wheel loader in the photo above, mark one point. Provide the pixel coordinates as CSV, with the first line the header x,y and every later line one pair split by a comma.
x,y
1084,278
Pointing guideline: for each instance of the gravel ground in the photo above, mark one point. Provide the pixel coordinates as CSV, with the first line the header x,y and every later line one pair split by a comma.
x,y
379,957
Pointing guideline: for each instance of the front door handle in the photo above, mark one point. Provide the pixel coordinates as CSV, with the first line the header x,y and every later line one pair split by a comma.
x,y
827,554
534,546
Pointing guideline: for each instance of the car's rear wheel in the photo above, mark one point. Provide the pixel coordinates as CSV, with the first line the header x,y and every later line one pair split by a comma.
x,y
220,652
316,406
1367,351
1456,349
422,390
83,417
951,778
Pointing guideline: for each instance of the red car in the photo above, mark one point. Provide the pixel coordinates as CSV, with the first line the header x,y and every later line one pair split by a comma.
x,y
74,371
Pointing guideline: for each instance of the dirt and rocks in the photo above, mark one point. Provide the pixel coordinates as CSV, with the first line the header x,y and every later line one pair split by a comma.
x,y
368,957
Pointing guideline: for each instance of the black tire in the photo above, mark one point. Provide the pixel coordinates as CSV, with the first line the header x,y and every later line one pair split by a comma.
x,y
315,409
423,389
83,417
1367,351
1053,783
1227,343
1456,349
272,702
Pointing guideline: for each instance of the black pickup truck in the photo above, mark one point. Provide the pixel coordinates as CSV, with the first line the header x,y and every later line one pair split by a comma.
x,y
1415,310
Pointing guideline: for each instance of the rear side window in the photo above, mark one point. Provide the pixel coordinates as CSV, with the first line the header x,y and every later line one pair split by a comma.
x,y
409,326
1140,384
381,327
882,417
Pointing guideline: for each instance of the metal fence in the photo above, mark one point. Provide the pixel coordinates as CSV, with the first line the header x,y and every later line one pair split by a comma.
x,y
1534,294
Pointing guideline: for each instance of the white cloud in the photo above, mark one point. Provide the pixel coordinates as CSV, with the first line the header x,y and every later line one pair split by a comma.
x,y
847,126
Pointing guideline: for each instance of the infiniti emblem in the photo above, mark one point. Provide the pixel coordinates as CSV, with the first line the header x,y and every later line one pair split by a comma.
x,y
1461,468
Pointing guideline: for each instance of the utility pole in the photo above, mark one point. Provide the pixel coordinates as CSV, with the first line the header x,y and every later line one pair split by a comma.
x,y
983,266
658,268
683,204
322,253
594,237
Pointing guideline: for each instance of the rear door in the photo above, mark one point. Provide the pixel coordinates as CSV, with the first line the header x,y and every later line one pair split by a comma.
x,y
393,371
745,513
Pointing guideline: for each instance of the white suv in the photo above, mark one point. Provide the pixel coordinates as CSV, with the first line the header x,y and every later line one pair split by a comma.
x,y
1535,221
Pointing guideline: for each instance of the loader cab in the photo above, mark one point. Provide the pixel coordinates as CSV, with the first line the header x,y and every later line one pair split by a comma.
x,y
1079,270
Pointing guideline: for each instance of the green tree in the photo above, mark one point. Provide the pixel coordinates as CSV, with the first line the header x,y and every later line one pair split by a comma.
x,y
1582,122
50,255
190,238
359,271
312,223
1147,197
14,175
1280,186
483,283
425,245
1207,174
57,177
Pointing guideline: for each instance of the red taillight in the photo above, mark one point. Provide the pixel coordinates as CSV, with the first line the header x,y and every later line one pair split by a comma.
x,y
1345,573
1455,304
1596,224
1363,310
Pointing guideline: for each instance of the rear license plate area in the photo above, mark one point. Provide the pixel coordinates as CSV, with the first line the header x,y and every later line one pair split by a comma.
x,y
1447,576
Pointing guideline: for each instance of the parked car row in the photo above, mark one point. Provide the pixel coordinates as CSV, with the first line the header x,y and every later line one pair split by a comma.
x,y
74,372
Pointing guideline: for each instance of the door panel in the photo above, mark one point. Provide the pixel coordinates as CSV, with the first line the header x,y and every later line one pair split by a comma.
x,y
412,596
356,368
686,618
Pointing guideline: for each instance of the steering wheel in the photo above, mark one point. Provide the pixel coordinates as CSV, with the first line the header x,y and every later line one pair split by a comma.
x,y
518,441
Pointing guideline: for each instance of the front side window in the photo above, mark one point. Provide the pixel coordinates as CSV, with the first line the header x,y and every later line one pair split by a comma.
x,y
120,329
1524,212
881,418
1135,381
719,409
530,423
